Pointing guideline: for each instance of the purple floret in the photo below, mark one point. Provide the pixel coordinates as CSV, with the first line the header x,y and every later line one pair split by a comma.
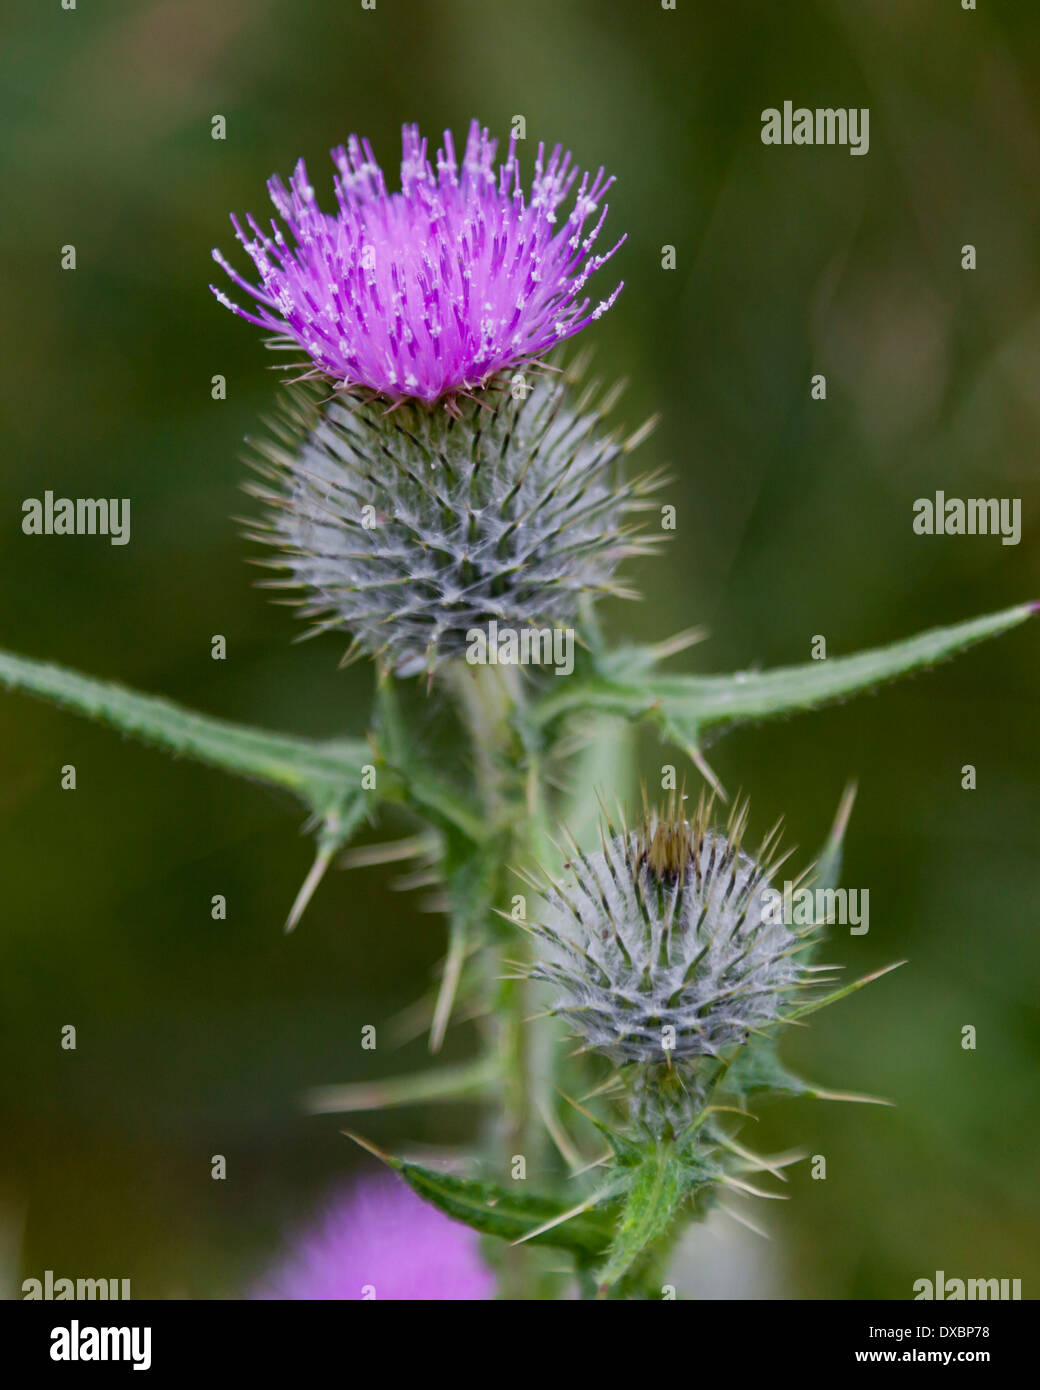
x,y
430,291
380,1240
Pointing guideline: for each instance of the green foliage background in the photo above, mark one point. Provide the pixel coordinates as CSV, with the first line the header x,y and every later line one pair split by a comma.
x,y
198,1037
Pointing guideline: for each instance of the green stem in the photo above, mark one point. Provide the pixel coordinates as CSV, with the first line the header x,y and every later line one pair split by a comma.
x,y
510,790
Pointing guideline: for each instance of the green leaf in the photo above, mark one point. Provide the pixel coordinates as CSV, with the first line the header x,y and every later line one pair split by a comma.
x,y
826,873
326,776
683,707
656,1188
509,1213
757,1068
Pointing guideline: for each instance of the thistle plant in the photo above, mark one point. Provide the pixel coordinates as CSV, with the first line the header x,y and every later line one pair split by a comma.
x,y
436,473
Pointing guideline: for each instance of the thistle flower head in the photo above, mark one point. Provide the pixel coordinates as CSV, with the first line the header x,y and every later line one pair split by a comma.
x,y
430,291
663,948
380,1236
414,528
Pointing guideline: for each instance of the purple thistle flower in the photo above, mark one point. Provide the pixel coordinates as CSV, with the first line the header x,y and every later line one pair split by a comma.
x,y
380,1236
430,291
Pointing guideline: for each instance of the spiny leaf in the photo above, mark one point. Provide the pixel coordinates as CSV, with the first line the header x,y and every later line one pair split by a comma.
x,y
757,1068
683,707
326,776
509,1213
332,836
825,875
655,1191
625,1150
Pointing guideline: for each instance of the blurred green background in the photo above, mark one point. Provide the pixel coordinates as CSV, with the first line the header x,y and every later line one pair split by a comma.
x,y
197,1037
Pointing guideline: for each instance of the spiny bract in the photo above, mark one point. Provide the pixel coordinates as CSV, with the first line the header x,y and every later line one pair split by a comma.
x,y
664,947
414,528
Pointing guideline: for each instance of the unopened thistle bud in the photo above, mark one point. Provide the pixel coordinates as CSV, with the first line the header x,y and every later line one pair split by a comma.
x,y
664,950
412,528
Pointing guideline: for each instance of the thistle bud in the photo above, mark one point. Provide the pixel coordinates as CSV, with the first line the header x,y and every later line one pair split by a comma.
x,y
663,950
416,526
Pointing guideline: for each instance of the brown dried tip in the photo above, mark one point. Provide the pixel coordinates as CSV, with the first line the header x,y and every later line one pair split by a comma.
x,y
668,849
667,842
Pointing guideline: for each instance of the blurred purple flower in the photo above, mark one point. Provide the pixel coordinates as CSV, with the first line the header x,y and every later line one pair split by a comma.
x,y
432,290
381,1236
